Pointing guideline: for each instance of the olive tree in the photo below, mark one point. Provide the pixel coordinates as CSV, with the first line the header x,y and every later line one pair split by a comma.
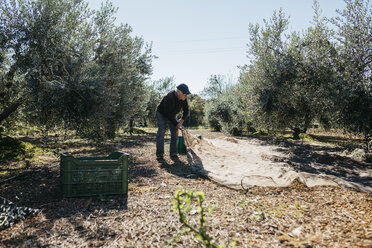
x,y
216,85
197,110
224,107
64,65
122,65
354,65
290,81
40,52
269,79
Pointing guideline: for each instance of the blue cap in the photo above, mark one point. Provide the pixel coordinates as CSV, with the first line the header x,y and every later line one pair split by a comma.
x,y
184,89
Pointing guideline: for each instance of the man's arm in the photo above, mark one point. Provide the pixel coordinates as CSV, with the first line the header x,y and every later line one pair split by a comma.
x,y
185,115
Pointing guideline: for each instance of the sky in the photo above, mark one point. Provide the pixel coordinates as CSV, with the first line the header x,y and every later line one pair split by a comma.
x,y
194,39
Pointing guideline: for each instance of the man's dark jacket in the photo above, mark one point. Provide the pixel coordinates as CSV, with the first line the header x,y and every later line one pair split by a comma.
x,y
170,106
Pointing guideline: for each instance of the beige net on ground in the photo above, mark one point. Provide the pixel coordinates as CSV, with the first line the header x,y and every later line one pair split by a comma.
x,y
241,163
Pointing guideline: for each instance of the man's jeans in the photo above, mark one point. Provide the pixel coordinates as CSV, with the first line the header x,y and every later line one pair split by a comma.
x,y
162,122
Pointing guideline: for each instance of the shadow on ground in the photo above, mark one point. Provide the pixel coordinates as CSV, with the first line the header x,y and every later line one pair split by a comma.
x,y
180,168
325,160
322,159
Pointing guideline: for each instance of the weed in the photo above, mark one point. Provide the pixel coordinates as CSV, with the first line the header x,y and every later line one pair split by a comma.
x,y
182,203
262,210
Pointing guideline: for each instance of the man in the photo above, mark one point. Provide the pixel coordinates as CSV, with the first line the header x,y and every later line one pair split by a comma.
x,y
166,112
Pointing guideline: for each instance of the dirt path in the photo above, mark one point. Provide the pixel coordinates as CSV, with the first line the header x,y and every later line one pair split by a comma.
x,y
296,216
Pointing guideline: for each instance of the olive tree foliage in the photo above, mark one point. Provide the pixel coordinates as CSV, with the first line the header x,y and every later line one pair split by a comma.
x,y
289,82
63,65
270,76
122,65
317,72
319,75
224,108
155,90
197,111
38,52
215,87
228,110
354,65
312,88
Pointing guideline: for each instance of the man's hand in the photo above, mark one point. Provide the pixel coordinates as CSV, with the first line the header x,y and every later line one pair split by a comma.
x,y
180,122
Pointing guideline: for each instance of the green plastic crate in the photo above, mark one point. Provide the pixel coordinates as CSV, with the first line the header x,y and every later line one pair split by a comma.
x,y
90,176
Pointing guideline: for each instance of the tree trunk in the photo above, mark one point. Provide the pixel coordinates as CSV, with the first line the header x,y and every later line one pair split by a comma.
x,y
9,110
111,129
297,131
131,127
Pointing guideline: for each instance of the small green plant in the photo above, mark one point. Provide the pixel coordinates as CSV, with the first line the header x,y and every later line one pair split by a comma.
x,y
183,202
261,209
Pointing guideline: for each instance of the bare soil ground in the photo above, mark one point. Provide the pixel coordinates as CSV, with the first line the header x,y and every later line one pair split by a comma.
x,y
294,216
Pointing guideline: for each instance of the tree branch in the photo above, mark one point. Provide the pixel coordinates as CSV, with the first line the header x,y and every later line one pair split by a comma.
x,y
9,110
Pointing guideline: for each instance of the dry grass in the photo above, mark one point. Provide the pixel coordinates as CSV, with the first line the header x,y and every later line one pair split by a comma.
x,y
295,216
